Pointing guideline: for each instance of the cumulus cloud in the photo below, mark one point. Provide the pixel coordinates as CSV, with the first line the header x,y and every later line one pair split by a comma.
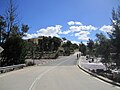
x,y
74,23
82,35
75,42
79,28
65,32
76,29
84,43
28,36
49,31
106,29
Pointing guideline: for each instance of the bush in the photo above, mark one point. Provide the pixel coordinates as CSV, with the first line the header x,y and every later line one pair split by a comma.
x,y
14,51
30,63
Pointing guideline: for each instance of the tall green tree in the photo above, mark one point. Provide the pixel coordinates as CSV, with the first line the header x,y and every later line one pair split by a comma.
x,y
115,35
2,29
56,42
90,45
14,46
103,48
82,48
49,43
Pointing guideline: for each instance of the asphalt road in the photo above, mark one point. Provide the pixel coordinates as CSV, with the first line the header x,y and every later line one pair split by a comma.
x,y
62,74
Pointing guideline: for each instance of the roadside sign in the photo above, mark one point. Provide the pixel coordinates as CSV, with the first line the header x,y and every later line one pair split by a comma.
x,y
1,49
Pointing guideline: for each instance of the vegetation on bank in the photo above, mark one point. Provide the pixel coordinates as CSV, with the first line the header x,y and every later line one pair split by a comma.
x,y
49,47
108,48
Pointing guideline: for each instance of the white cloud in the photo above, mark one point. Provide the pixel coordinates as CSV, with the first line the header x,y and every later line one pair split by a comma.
x,y
79,28
78,23
106,29
28,36
65,32
76,42
114,22
84,43
71,23
82,33
49,31
73,29
76,29
72,35
84,37
74,23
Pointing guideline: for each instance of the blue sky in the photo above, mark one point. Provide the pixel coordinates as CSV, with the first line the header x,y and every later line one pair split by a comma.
x,y
77,20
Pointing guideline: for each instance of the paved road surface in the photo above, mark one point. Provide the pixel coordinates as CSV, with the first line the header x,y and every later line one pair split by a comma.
x,y
62,74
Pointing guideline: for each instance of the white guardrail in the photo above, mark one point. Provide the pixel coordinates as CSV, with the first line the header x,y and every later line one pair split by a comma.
x,y
11,68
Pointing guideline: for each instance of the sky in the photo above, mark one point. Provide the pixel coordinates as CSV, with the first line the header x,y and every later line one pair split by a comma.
x,y
76,20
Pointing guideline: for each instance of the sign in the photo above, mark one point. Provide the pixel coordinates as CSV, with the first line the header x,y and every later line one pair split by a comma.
x,y
1,49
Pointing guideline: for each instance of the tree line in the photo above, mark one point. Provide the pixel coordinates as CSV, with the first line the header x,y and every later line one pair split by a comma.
x,y
108,48
16,49
50,45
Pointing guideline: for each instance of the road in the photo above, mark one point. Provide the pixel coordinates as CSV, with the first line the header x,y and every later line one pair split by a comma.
x,y
62,74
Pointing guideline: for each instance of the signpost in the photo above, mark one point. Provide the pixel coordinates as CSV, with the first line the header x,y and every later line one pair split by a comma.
x,y
1,49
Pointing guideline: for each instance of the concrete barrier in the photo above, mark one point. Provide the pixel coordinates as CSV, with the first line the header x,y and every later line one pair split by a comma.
x,y
11,68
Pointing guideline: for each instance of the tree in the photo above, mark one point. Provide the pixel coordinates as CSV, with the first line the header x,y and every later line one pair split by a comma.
x,y
11,18
67,47
13,44
90,46
64,38
56,42
14,51
115,35
74,46
82,48
2,29
103,48
49,43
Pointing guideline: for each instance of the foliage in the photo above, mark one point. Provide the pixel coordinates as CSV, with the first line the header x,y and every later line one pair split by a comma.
x,y
82,48
103,48
14,51
11,38
74,46
108,49
69,47
115,35
90,46
2,29
49,44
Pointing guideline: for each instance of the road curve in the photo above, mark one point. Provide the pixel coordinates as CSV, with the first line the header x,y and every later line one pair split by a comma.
x,y
62,74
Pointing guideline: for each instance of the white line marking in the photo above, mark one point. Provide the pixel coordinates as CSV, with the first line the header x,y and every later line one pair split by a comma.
x,y
41,75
